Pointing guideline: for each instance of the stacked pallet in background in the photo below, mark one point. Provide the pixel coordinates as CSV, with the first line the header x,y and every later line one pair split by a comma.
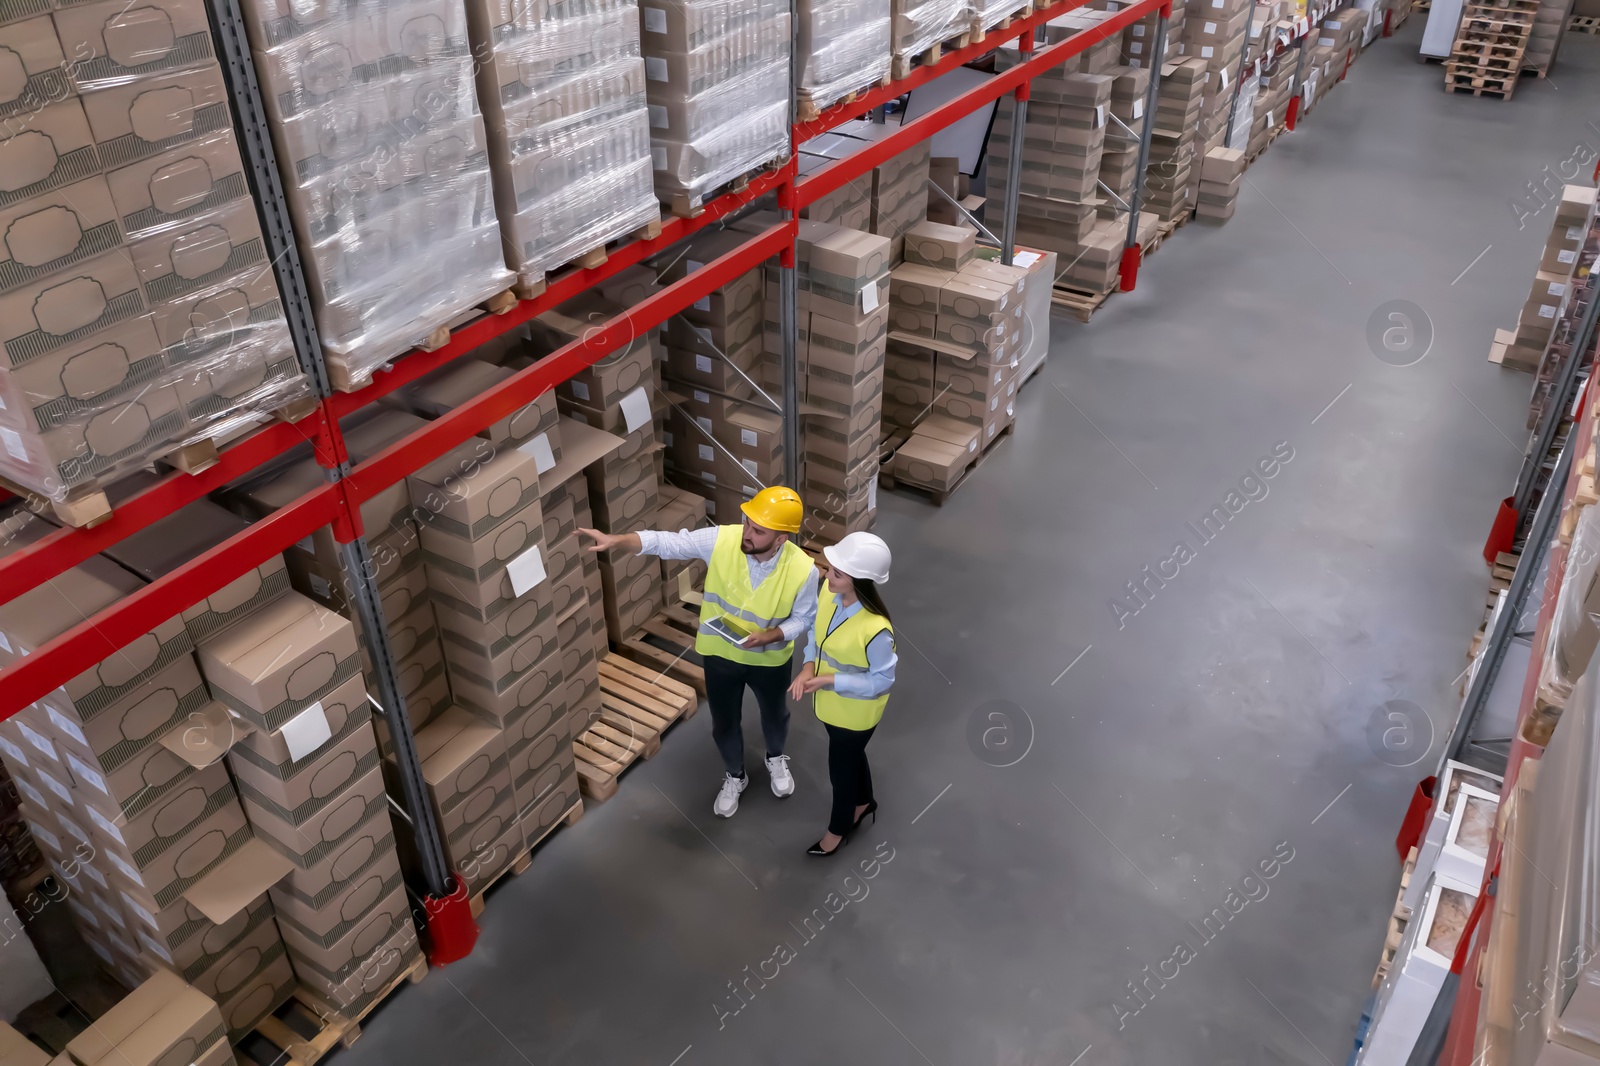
x,y
385,167
1526,346
843,48
1174,137
717,80
844,322
919,28
138,312
1221,173
1491,40
563,94
1216,37
123,787
1119,160
1549,23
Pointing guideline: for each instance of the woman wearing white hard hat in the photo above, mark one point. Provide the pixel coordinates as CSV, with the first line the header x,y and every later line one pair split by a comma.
x,y
849,665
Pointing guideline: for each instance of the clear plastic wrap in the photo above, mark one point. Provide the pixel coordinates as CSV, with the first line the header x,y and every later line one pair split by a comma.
x,y
385,165
569,132
918,25
989,13
139,313
717,81
1575,632
844,47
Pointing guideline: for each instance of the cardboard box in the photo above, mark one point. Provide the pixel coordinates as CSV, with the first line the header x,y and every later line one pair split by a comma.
x,y
291,654
163,1022
502,664
199,251
310,842
55,229
469,492
358,984
177,840
51,313
935,245
269,775
178,183
112,44
463,627
114,733
151,114
210,321
474,571
369,849
55,147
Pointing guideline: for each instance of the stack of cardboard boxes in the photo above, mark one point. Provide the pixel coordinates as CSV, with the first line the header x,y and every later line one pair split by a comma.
x,y
844,322
843,46
563,95
717,79
949,194
122,785
1329,49
898,188
1221,174
1525,347
1270,111
384,166
1119,161
138,312
163,1021
1173,137
1214,33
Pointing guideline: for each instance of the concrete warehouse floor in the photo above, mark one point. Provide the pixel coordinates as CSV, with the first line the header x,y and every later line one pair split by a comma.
x,y
1231,727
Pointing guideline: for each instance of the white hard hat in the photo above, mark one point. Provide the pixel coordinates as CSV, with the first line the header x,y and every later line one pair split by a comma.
x,y
862,555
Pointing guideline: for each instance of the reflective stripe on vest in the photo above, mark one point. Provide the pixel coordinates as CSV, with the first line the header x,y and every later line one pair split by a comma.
x,y
844,651
728,593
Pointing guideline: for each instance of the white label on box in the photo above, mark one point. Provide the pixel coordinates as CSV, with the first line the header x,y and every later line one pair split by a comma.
x,y
1558,288
56,786
13,441
693,265
526,571
1270,123
702,364
86,773
636,409
67,726
5,641
544,458
1137,29
1566,257
1099,115
707,452
99,819
666,437
1205,51
655,68
1135,64
1326,42
708,477
579,389
1112,5
152,946
701,396
32,794
13,751
872,494
703,422
127,871
306,732
747,437
869,297
1574,233
1224,78
1138,110
1547,311
703,304
1025,259
139,911
321,586
88,915
658,158
655,20
750,466
95,875
658,117
48,837
1208,28
44,746
1135,48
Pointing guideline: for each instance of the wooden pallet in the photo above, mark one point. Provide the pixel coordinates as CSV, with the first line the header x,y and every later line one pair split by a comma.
x,y
682,205
809,109
521,863
1398,918
308,1027
903,65
529,286
1479,84
888,480
638,704
1583,24
675,627
1079,304
980,31
498,304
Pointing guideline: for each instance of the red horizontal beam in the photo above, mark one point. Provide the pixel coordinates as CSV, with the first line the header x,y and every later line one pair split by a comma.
x,y
561,289
119,625
839,114
59,551
461,424
841,172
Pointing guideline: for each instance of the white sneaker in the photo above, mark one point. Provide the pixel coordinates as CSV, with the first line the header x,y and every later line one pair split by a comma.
x,y
782,779
727,804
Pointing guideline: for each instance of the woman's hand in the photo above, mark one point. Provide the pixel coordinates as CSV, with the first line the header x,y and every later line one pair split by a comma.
x,y
807,681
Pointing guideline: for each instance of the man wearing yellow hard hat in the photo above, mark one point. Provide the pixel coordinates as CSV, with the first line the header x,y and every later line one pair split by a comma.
x,y
761,595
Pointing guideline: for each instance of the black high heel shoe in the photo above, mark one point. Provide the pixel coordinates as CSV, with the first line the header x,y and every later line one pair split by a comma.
x,y
872,809
816,849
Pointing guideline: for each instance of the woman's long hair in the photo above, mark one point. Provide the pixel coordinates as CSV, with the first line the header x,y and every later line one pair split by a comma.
x,y
867,592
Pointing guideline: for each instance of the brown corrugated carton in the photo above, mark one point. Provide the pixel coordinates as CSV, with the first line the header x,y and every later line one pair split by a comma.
x,y
280,661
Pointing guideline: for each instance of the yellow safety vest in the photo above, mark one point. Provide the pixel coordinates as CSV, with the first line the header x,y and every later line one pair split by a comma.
x,y
844,651
728,593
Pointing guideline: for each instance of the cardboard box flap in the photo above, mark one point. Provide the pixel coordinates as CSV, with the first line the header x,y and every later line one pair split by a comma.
x,y
581,446
238,881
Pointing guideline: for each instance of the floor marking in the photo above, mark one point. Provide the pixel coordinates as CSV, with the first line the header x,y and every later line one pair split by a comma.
x,y
1333,401
1070,665
1472,264
931,802
1336,799
681,1054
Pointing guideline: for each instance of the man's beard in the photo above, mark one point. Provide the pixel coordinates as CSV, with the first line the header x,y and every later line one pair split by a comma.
x,y
746,547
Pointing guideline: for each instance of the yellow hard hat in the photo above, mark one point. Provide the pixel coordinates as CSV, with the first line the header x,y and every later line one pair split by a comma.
x,y
776,508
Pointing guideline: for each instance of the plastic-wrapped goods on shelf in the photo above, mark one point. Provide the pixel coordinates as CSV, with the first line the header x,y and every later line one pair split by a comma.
x,y
138,310
918,25
717,80
385,165
563,97
987,14
844,47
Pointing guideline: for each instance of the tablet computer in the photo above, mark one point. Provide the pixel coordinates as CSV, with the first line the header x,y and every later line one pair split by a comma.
x,y
729,629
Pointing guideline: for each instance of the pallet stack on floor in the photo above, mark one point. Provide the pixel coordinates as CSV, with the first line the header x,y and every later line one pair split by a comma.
x,y
1491,41
138,314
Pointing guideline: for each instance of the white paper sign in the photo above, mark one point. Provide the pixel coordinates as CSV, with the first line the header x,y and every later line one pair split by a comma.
x,y
747,437
99,819
655,20
32,794
539,450
66,725
13,442
306,731
1547,311
1027,259
1205,52
872,494
707,453
1099,115
636,409
1557,288
702,363
87,774
655,68
869,297
526,571
658,116
1138,109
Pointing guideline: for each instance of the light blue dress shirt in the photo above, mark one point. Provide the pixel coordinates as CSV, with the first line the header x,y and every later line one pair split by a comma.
x,y
697,544
881,660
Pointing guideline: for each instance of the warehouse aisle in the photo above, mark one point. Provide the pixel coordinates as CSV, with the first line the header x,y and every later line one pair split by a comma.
x,y
1197,796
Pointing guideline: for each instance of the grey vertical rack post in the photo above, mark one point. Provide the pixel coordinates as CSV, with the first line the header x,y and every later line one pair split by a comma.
x,y
1238,81
250,119
1019,122
1561,390
1158,56
789,292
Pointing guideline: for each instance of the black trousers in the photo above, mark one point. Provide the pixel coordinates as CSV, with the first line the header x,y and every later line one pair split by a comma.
x,y
849,774
726,681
